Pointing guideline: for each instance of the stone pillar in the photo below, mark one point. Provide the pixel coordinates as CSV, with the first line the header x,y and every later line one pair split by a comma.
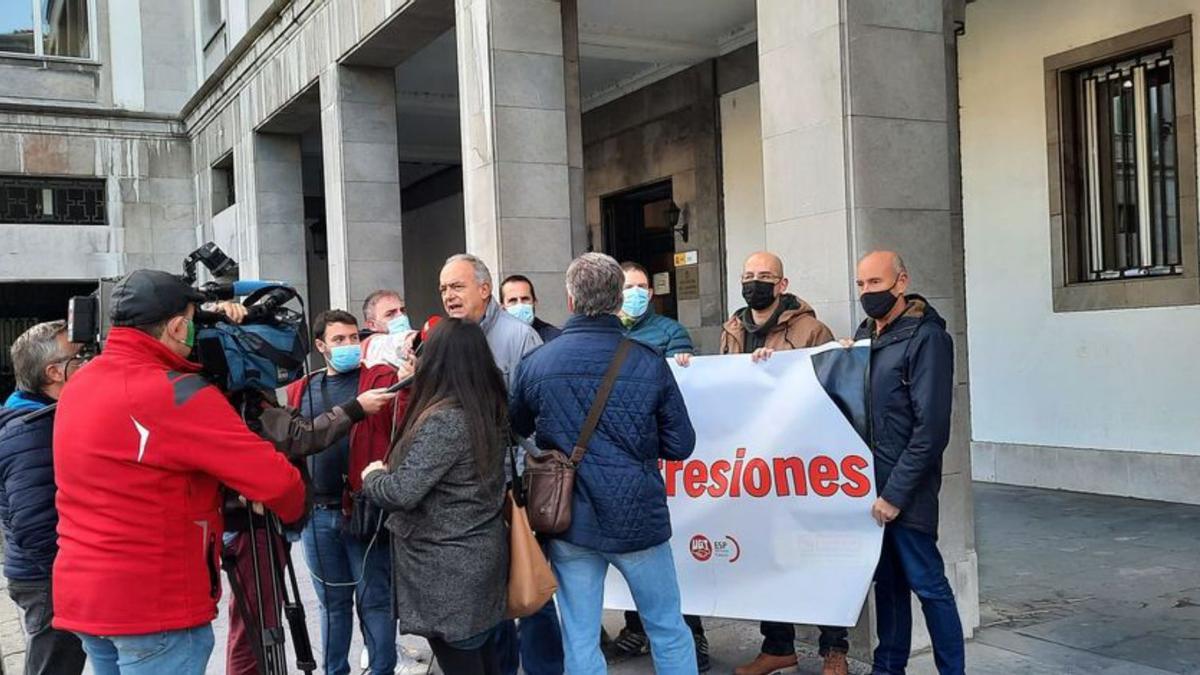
x,y
279,210
514,139
574,112
858,155
362,183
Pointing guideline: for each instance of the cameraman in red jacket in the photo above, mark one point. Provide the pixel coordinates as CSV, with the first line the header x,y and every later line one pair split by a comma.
x,y
142,444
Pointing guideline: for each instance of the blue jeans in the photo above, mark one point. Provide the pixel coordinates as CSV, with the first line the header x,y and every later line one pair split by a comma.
x,y
536,639
650,574
910,563
179,652
336,559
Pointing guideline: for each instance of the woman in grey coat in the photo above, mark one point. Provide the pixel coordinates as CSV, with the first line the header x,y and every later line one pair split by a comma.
x,y
443,489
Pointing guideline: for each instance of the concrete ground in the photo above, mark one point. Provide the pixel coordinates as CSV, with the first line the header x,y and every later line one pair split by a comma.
x,y
1069,583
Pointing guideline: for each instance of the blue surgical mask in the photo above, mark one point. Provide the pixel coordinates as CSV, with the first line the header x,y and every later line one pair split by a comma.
x,y
522,311
399,324
345,358
636,301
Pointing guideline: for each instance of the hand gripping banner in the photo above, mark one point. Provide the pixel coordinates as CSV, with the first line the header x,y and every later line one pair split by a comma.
x,y
772,513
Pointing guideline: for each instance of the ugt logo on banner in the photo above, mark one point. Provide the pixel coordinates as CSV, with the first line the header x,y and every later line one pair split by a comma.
x,y
772,513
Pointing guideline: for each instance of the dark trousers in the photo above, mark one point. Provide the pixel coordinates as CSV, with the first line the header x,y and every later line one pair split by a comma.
x,y
454,661
47,651
633,622
779,639
910,563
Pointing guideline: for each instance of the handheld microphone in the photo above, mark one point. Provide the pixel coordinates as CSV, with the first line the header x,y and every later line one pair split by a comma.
x,y
422,336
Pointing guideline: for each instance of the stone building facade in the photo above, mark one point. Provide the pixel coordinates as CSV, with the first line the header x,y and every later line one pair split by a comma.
x,y
349,145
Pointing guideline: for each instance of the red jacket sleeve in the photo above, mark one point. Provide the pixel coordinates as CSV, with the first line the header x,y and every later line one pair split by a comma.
x,y
205,434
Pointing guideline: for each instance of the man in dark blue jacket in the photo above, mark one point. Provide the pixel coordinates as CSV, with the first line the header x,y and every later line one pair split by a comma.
x,y
619,506
43,359
912,386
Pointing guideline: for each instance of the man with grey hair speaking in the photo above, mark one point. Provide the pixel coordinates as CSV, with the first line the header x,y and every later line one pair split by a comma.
x,y
619,513
43,359
465,285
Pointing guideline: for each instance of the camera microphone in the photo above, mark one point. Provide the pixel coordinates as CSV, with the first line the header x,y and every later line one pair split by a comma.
x,y
233,289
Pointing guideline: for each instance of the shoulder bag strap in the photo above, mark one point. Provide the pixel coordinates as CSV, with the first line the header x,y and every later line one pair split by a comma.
x,y
606,387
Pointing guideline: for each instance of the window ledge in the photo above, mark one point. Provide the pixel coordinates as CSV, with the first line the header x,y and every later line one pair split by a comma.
x,y
55,62
1175,291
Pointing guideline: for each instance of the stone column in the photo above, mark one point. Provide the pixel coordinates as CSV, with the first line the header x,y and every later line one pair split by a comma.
x,y
859,153
574,112
362,183
279,209
514,132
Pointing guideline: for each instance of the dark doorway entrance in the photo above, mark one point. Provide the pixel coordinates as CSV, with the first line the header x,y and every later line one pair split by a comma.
x,y
24,304
636,228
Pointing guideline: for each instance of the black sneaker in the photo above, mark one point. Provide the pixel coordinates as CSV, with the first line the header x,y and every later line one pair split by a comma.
x,y
702,664
629,644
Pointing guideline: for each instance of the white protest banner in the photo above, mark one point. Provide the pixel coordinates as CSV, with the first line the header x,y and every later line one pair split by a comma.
x,y
772,513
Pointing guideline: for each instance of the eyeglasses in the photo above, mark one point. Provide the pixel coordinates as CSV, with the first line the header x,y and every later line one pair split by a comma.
x,y
761,276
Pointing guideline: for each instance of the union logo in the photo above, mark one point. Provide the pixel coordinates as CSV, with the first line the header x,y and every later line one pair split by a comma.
x,y
701,548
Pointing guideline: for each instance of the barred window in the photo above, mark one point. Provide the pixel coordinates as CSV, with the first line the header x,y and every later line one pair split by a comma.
x,y
1130,188
1123,171
52,201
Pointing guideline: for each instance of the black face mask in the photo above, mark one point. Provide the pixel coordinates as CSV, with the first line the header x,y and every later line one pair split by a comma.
x,y
877,304
758,294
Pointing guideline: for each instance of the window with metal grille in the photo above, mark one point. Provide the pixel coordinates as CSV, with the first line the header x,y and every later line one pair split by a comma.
x,y
1128,178
52,201
1122,160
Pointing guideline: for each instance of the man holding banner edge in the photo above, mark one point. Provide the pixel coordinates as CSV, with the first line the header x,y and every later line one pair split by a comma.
x,y
912,389
776,320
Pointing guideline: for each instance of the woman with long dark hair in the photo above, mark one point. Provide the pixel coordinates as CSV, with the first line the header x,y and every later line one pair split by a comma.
x,y
443,490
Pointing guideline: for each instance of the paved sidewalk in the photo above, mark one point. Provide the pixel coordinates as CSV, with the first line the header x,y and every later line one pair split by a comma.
x,y
1069,583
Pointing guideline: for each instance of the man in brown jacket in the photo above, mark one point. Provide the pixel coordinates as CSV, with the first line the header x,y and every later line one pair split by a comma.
x,y
775,320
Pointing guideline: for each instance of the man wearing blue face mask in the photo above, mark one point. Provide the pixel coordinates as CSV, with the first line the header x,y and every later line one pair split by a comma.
x,y
519,299
647,327
384,312
336,558
671,339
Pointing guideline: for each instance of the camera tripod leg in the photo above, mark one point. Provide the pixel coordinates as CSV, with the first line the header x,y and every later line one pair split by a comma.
x,y
240,603
294,613
270,643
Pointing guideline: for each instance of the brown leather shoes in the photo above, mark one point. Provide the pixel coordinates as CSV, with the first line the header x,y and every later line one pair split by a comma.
x,y
766,664
835,664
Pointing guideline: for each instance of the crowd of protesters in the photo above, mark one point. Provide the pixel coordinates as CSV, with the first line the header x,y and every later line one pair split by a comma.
x,y
116,476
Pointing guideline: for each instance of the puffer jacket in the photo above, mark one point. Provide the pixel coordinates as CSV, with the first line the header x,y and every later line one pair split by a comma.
x,y
796,327
660,332
27,510
620,501
912,389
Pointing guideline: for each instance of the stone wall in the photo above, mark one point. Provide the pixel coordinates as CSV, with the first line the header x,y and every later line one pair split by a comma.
x,y
147,166
667,130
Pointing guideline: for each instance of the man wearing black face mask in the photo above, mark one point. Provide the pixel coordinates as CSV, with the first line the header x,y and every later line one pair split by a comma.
x,y
775,320
912,386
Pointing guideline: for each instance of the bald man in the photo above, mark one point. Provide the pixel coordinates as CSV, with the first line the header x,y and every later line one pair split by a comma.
x,y
772,319
912,386
775,320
